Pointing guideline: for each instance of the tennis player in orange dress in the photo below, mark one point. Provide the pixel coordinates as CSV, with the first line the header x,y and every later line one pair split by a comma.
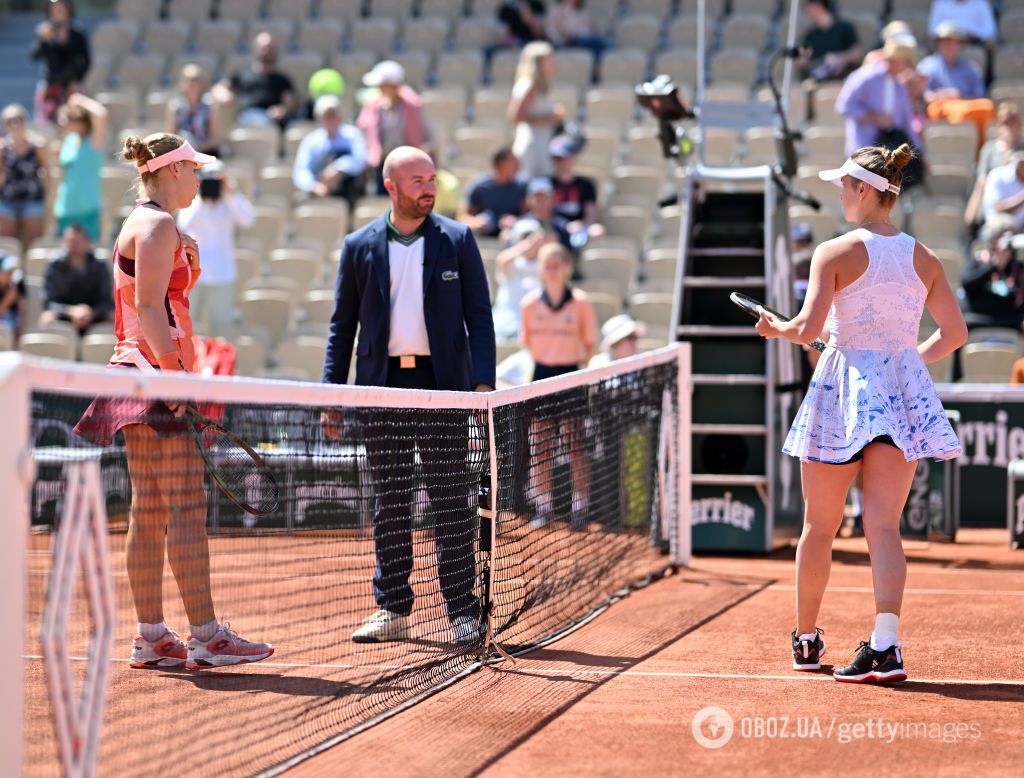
x,y
155,268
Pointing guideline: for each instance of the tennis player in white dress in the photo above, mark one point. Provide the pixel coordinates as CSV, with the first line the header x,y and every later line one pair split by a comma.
x,y
871,407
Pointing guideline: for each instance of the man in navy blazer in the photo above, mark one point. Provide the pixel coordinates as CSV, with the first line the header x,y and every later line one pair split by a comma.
x,y
414,285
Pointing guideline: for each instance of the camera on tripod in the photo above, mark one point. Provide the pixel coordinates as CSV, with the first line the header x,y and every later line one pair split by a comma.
x,y
661,97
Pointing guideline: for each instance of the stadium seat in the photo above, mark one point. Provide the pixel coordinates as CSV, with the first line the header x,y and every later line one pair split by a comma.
x,y
257,144
208,61
760,146
477,144
953,262
299,67
270,308
52,344
503,67
628,221
653,309
192,11
680,64
98,347
573,66
462,68
659,9
319,306
114,36
240,10
218,36
290,9
824,144
735,66
267,229
429,33
167,36
143,11
303,352
605,305
719,145
952,144
624,66
276,181
36,261
323,36
660,269
639,30
445,107
644,148
988,362
443,9
618,269
325,221
682,32
645,182
944,179
250,354
303,266
611,107
282,30
745,32
417,67
763,8
376,35
484,7
824,223
141,71
1011,26
824,103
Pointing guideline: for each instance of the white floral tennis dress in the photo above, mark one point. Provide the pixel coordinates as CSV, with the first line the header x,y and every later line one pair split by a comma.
x,y
871,381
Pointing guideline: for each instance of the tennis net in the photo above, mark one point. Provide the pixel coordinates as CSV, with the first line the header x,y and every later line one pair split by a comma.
x,y
483,520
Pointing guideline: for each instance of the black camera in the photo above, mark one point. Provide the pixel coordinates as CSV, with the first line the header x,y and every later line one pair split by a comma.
x,y
211,188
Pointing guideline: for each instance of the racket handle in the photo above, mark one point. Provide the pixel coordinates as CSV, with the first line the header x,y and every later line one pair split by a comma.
x,y
140,361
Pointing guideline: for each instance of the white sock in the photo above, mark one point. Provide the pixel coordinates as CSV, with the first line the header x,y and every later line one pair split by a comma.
x,y
886,627
204,632
151,632
809,637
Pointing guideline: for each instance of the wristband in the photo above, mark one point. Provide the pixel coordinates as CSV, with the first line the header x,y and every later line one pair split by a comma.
x,y
170,361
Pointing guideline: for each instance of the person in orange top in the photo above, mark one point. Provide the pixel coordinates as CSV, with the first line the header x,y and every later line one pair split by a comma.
x,y
559,328
155,267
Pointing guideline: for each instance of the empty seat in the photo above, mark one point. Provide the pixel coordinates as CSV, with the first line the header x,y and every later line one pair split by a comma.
x,y
52,344
988,362
270,308
98,347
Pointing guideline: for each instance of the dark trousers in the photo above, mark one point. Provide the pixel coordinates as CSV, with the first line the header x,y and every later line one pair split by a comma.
x,y
443,448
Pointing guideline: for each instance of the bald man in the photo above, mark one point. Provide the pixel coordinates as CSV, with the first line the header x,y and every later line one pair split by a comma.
x,y
414,285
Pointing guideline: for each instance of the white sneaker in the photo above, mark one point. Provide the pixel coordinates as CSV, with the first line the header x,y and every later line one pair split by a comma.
x,y
382,627
167,651
225,648
466,630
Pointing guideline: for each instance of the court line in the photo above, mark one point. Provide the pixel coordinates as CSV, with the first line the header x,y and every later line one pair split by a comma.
x,y
754,567
636,673
908,590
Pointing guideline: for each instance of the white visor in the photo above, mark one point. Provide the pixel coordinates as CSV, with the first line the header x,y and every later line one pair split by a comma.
x,y
851,168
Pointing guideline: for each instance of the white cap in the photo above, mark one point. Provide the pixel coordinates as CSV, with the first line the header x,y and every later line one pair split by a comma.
x,y
851,168
619,327
385,72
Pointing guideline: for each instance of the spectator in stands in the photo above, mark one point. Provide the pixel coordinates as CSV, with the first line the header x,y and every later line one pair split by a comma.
x,y
995,153
619,338
540,206
896,31
1004,192
532,110
64,51
802,248
326,81
974,17
522,21
559,327
876,104
331,160
23,178
495,200
81,158
260,95
830,49
993,281
12,294
393,118
575,197
191,114
517,273
78,286
212,219
569,26
955,88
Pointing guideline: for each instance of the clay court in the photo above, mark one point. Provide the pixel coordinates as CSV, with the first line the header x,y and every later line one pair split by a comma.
x,y
619,695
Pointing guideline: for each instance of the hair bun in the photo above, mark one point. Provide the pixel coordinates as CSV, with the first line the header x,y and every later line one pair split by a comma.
x,y
135,149
899,157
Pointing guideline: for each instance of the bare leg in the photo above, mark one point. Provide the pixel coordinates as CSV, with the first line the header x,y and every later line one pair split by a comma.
x,y
188,549
543,445
579,466
31,228
887,480
824,488
8,227
144,549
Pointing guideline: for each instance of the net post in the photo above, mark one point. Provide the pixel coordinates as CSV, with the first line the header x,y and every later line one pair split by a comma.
x,y
15,478
684,399
487,606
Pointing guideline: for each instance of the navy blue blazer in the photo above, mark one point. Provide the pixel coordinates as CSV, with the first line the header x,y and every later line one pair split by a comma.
x,y
456,307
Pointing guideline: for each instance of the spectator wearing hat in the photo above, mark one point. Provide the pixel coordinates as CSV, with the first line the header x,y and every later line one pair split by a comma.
x,y
12,294
876,103
540,206
326,81
191,114
393,118
830,48
995,153
1004,192
495,200
331,160
260,95
78,287
620,336
955,88
974,17
575,196
518,274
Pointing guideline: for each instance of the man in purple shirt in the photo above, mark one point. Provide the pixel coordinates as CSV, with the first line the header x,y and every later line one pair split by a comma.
x,y
874,99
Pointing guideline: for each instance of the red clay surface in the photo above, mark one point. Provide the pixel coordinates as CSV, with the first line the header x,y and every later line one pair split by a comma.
x,y
619,696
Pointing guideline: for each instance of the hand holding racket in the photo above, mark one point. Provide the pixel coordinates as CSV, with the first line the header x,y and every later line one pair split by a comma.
x,y
756,308
240,473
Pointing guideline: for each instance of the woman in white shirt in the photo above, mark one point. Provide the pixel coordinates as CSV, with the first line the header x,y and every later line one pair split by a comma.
x,y
532,110
212,219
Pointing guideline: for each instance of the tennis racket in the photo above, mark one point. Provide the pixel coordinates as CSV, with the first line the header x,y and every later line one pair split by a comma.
x,y
239,472
752,306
